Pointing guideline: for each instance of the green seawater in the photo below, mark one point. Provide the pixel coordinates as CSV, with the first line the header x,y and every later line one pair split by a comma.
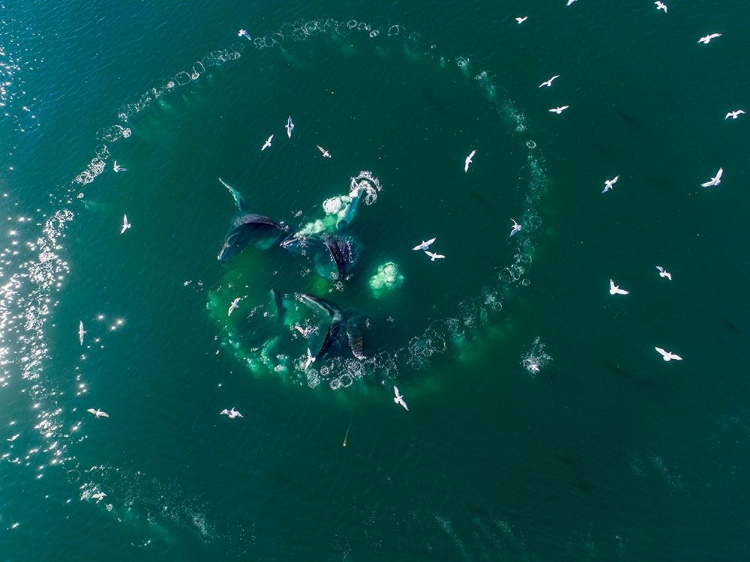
x,y
542,423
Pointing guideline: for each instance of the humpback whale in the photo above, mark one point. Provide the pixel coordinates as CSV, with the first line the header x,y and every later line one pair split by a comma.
x,y
251,230
335,256
341,333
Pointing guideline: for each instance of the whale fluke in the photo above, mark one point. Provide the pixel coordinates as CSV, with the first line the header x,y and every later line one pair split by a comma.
x,y
251,230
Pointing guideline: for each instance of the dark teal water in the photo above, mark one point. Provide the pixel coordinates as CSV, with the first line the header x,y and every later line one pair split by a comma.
x,y
542,424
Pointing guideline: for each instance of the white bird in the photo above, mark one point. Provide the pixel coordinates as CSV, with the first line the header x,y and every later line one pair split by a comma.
x,y
615,290
98,413
231,413
570,2
125,224
266,144
516,227
98,496
243,33
548,83
323,151
609,184
468,160
434,257
521,20
668,355
734,114
117,168
289,127
234,305
399,399
661,6
716,180
664,273
309,361
424,245
707,39
559,110
81,332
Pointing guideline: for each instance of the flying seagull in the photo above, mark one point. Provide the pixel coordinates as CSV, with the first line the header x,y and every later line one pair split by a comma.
x,y
424,245
707,39
668,355
81,332
434,257
234,305
289,127
125,224
323,151
734,114
559,110
516,227
399,399
468,160
661,6
231,413
609,184
521,20
243,33
716,180
98,496
664,273
266,144
309,361
615,290
98,413
548,83
117,168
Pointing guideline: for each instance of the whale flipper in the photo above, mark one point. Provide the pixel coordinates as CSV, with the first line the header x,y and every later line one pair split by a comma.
x,y
236,195
251,230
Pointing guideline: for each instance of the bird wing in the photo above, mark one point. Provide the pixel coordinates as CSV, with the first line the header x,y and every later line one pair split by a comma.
x,y
718,174
91,411
398,394
661,351
224,412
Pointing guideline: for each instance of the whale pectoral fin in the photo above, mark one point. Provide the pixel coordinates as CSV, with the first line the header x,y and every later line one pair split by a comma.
x,y
238,199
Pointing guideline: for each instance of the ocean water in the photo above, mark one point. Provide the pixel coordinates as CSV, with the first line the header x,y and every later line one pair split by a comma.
x,y
542,423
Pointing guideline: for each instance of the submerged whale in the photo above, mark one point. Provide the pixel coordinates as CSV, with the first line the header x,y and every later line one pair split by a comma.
x,y
337,334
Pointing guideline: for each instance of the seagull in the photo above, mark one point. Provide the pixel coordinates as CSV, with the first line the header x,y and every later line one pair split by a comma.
x,y
266,144
468,160
734,114
243,33
323,151
289,127
309,361
305,331
117,168
661,6
81,332
98,413
668,355
516,227
609,184
716,180
559,110
664,273
98,496
434,257
615,290
399,399
707,39
521,20
125,224
231,413
234,305
424,245
548,83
